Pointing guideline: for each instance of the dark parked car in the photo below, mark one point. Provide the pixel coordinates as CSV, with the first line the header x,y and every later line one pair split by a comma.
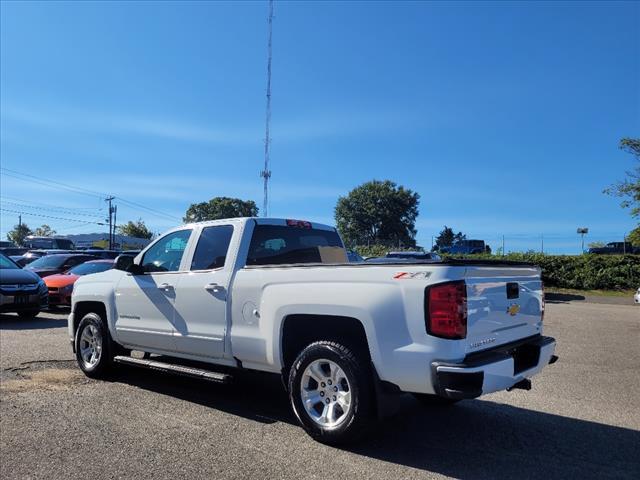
x,y
10,251
468,247
21,291
413,255
615,248
22,260
57,263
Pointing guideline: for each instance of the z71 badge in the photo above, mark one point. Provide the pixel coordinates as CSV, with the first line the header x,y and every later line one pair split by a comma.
x,y
411,275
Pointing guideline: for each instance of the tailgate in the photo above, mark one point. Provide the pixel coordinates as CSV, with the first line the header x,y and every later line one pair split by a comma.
x,y
504,304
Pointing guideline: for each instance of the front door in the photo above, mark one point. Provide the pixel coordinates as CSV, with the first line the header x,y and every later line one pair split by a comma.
x,y
145,303
201,297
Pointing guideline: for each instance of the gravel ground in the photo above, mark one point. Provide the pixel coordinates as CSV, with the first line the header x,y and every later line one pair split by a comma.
x,y
581,419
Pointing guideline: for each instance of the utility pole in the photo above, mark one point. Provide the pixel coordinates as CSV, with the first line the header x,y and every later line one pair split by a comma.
x,y
542,243
19,221
115,211
109,200
266,173
503,245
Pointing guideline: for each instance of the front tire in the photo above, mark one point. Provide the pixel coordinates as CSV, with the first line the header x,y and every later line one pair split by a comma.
x,y
29,313
331,392
94,347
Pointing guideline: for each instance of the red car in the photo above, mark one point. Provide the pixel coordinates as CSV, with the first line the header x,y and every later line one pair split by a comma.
x,y
60,286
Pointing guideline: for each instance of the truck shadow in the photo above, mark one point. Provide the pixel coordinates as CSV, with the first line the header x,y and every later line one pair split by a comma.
x,y
474,439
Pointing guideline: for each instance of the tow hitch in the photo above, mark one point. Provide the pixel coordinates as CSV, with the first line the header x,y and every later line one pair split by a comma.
x,y
524,384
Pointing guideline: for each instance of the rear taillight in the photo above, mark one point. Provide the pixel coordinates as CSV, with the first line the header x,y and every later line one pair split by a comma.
x,y
446,310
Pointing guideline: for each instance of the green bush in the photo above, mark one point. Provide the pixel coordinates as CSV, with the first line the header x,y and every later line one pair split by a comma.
x,y
375,250
582,272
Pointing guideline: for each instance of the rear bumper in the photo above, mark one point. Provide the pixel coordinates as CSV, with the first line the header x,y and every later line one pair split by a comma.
x,y
493,370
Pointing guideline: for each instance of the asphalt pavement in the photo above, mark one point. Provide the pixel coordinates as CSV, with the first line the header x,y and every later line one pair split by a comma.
x,y
581,419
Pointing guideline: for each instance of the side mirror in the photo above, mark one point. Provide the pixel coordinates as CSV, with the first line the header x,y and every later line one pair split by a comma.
x,y
135,269
123,262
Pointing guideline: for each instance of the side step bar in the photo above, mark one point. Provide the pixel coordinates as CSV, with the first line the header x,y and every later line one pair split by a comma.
x,y
176,369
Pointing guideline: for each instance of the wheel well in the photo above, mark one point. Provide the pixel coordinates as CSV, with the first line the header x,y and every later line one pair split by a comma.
x,y
298,331
82,308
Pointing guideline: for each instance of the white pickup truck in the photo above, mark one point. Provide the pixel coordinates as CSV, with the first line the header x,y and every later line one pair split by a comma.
x,y
279,296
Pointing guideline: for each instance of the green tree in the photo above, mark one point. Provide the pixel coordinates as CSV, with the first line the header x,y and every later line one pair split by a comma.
x,y
378,212
220,207
446,238
44,231
18,234
595,244
135,229
629,188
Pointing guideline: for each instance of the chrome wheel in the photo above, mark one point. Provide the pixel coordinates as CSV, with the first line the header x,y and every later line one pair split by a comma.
x,y
90,346
326,393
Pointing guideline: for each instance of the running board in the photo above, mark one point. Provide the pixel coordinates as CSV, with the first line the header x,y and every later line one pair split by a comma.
x,y
176,369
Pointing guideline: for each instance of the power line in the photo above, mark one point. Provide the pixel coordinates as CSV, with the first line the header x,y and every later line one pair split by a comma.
x,y
32,202
29,214
50,183
52,209
149,209
83,191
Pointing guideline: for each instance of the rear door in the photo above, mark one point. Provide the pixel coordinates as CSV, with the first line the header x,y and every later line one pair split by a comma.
x,y
202,294
504,304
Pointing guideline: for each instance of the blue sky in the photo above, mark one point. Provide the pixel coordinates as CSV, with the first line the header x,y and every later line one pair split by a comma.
x,y
505,117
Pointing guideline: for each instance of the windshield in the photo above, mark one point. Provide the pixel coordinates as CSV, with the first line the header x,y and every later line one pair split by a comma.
x,y
8,264
90,267
48,261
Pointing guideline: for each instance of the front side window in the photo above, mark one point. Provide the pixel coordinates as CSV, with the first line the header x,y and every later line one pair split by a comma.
x,y
280,245
166,254
211,251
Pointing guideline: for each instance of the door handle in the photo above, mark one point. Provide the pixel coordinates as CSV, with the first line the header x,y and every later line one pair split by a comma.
x,y
165,287
213,287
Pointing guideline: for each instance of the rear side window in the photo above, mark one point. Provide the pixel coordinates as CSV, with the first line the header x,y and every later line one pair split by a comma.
x,y
211,251
280,245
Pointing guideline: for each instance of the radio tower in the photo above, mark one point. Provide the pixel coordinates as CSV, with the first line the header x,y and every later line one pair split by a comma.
x,y
266,173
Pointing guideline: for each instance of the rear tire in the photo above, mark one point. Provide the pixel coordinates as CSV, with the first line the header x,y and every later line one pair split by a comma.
x,y
94,347
28,313
434,400
331,392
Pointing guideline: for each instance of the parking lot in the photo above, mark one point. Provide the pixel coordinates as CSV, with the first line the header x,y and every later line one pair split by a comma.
x,y
581,419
